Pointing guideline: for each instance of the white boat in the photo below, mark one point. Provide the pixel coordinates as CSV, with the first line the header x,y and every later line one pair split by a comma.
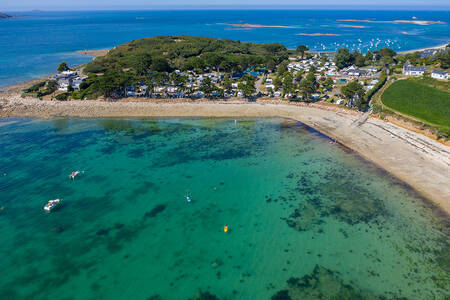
x,y
51,204
74,173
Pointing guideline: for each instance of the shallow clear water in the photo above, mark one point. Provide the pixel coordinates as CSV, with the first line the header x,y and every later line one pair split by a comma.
x,y
305,217
35,43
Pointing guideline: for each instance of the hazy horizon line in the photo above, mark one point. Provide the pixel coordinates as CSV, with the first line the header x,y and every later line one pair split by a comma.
x,y
234,7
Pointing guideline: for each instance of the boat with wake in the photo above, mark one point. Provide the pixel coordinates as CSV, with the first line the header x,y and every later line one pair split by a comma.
x,y
52,204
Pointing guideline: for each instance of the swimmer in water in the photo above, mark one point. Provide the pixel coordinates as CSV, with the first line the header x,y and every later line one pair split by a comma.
x,y
225,228
188,199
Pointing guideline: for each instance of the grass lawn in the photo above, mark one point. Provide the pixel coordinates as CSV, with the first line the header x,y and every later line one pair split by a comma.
x,y
439,84
421,101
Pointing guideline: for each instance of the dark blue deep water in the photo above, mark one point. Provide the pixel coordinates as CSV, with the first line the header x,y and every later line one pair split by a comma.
x,y
33,44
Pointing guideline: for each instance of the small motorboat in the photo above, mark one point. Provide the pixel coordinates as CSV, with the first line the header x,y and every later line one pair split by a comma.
x,y
51,205
74,173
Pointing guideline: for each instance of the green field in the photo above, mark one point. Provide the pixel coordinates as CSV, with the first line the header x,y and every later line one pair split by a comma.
x,y
423,102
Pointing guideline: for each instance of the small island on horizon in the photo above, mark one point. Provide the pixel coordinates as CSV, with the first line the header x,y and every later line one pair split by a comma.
x,y
6,16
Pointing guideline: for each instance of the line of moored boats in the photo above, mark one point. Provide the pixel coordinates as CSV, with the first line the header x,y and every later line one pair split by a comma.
x,y
52,204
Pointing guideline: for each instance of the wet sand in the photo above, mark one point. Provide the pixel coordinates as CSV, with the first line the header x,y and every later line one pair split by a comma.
x,y
96,53
423,49
417,160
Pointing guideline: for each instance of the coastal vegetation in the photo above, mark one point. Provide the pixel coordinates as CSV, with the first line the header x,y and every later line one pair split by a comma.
x,y
163,54
196,67
41,88
415,98
151,60
440,58
344,58
63,67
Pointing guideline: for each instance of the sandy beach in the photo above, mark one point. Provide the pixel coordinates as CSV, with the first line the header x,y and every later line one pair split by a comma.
x,y
423,49
95,53
417,160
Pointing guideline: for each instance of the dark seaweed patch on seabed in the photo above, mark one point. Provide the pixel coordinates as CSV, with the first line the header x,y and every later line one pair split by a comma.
x,y
333,193
144,189
108,149
136,153
66,261
222,145
155,211
63,266
322,283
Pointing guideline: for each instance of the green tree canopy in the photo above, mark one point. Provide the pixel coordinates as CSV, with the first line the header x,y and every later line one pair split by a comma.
x,y
143,64
302,49
63,67
445,60
213,59
385,52
52,86
207,87
369,56
343,58
113,81
360,60
247,86
308,86
278,81
160,64
282,67
275,49
288,85
354,90
328,83
226,83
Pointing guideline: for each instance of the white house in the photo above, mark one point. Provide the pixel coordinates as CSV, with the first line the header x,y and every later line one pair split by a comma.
x,y
270,86
76,83
63,84
410,70
172,89
159,89
436,74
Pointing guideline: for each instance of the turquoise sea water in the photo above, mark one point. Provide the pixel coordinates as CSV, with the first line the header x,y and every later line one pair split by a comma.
x,y
33,44
305,217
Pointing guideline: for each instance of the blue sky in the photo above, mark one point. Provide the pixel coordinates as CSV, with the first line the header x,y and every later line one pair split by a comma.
x,y
17,5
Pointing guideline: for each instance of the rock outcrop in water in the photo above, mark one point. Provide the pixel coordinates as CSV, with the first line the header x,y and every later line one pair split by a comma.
x,y
5,16
322,283
199,295
341,198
